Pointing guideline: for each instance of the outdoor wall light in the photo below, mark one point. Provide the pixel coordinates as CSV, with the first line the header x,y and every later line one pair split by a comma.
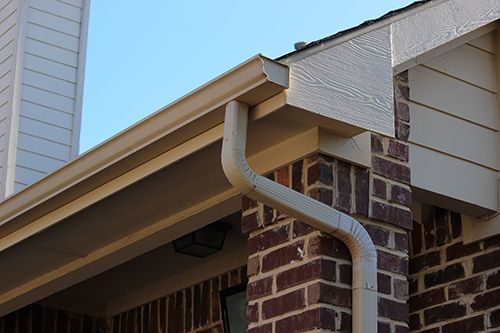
x,y
203,242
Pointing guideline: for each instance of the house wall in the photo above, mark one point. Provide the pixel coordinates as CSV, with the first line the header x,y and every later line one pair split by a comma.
x,y
38,319
194,309
453,106
300,278
40,121
453,287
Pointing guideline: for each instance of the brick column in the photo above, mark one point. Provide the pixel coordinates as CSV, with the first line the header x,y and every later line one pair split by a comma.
x,y
299,277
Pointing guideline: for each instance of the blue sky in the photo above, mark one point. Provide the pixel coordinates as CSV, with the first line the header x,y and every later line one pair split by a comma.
x,y
142,55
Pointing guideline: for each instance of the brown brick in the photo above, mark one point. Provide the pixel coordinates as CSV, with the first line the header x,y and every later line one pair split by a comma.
x,y
383,327
283,176
401,289
250,223
486,300
344,187
448,274
328,246
427,299
416,238
283,256
391,170
300,229
401,195
269,238
307,320
259,288
392,263
317,269
292,301
441,224
425,261
493,280
345,323
324,195
393,310
297,184
247,203
402,111
377,146
495,318
468,286
486,261
401,242
415,323
379,235
469,325
333,295
361,190
402,78
379,188
320,172
492,242
268,216
444,313
401,329
252,313
390,214
384,283
460,250
402,130
345,274
267,328
402,92
413,286
253,266
456,225
398,150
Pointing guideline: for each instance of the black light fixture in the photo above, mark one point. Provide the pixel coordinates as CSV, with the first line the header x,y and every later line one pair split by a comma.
x,y
234,308
203,242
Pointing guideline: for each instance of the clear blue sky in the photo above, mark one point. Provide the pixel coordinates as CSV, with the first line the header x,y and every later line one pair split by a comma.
x,y
144,54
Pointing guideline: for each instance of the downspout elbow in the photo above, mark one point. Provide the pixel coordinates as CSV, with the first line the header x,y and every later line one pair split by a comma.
x,y
311,211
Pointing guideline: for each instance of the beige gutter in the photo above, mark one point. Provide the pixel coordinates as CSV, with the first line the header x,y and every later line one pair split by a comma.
x,y
252,82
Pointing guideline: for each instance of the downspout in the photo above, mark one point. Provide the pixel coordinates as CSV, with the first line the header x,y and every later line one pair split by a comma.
x,y
304,208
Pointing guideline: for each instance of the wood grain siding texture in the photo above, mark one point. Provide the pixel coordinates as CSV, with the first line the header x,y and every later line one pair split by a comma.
x,y
350,82
49,89
418,34
455,124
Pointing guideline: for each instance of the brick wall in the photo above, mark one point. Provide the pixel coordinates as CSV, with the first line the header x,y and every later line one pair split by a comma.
x,y
194,309
39,319
454,287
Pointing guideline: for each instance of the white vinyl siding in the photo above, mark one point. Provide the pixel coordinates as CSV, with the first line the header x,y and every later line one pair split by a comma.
x,y
455,123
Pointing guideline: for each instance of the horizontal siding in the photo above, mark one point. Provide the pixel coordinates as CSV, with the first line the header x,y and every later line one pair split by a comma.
x,y
49,67
50,83
47,98
52,52
28,176
76,3
44,130
45,114
58,8
37,162
44,147
455,121
53,37
486,42
54,22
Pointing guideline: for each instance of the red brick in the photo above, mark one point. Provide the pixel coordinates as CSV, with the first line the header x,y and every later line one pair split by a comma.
x,y
444,313
427,299
383,327
393,310
401,289
392,263
486,261
398,150
324,195
317,269
456,225
377,146
247,203
413,286
283,256
297,183
391,214
416,238
267,328
401,329
493,280
361,191
333,295
401,195
495,318
469,325
415,322
492,242
283,176
384,283
379,235
320,172
328,246
259,288
448,274
460,250
307,320
425,261
268,215
252,313
379,188
402,111
345,323
402,130
269,238
250,223
401,92
441,218
345,274
401,242
461,288
344,187
486,300
286,303
300,229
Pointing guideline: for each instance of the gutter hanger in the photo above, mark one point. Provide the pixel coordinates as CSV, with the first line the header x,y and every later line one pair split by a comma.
x,y
312,212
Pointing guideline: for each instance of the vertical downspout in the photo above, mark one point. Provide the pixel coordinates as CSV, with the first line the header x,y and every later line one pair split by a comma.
x,y
304,208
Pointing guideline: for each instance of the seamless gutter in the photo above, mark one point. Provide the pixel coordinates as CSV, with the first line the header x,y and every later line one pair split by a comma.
x,y
252,81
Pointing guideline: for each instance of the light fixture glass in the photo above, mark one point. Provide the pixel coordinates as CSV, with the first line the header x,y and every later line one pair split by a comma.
x,y
203,242
234,308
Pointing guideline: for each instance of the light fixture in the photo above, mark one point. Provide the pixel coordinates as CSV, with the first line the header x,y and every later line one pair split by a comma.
x,y
203,242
